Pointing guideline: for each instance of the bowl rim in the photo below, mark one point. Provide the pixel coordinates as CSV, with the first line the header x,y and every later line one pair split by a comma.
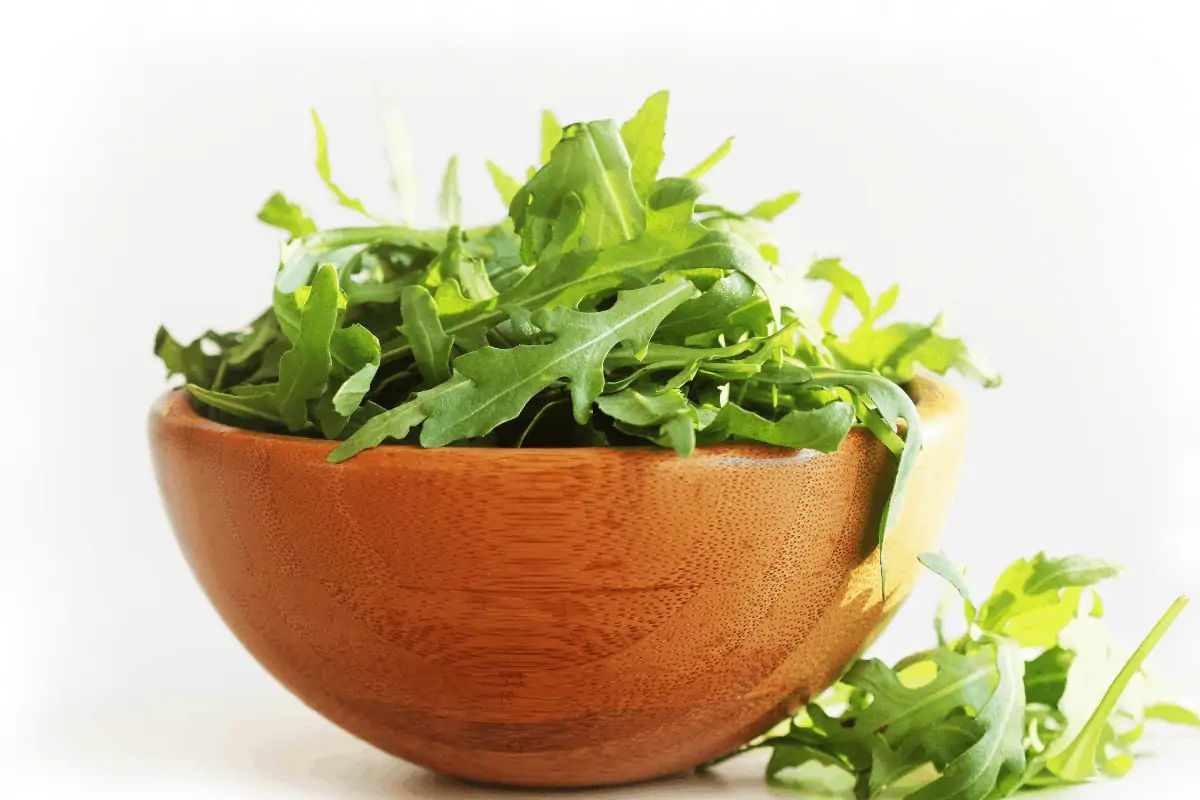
x,y
934,398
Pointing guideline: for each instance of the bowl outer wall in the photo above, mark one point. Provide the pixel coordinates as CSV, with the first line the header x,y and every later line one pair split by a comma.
x,y
551,617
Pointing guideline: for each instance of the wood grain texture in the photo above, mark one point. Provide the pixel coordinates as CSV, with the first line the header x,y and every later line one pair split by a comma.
x,y
566,617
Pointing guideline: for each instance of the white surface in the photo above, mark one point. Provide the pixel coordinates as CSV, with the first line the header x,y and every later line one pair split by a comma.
x,y
1032,166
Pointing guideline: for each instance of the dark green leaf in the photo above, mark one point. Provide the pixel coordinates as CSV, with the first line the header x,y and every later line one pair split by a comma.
x,y
304,370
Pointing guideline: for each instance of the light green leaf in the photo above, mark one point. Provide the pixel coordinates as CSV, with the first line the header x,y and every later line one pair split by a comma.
x,y
770,209
1034,599
304,370
1175,714
449,199
844,283
403,177
503,381
1077,761
280,213
430,345
505,184
324,171
356,351
711,160
945,568
643,135
551,134
591,164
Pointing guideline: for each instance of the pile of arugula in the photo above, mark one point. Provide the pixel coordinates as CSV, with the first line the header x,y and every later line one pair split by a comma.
x,y
1029,697
609,307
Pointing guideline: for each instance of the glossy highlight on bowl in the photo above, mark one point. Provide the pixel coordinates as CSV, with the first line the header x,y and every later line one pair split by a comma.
x,y
551,617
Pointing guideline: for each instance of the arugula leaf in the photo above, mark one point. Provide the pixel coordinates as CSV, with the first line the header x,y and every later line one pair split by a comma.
x,y
254,407
506,185
643,136
711,160
191,361
1034,599
356,351
362,318
325,173
1078,760
503,381
768,210
974,774
449,200
894,405
973,719
551,134
430,345
281,213
403,173
821,429
304,370
591,164
940,564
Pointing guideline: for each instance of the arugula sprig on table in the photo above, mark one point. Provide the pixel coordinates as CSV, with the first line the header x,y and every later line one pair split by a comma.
x,y
1029,697
610,306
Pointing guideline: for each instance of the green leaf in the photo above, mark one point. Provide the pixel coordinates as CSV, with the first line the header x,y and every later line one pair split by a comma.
x,y
449,200
1077,760
821,429
551,134
711,310
592,165
667,415
505,184
770,209
644,410
304,370
894,405
711,160
403,173
430,345
844,284
357,351
263,331
254,407
1175,714
395,423
280,213
1034,599
503,381
191,361
974,774
945,568
1046,676
898,710
643,136
324,171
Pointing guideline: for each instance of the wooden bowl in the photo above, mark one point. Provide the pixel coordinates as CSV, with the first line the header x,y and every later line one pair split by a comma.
x,y
539,617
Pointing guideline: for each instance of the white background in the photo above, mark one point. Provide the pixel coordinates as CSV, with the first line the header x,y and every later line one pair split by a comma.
x,y
1034,168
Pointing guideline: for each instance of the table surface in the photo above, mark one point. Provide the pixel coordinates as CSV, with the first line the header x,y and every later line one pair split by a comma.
x,y
273,747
